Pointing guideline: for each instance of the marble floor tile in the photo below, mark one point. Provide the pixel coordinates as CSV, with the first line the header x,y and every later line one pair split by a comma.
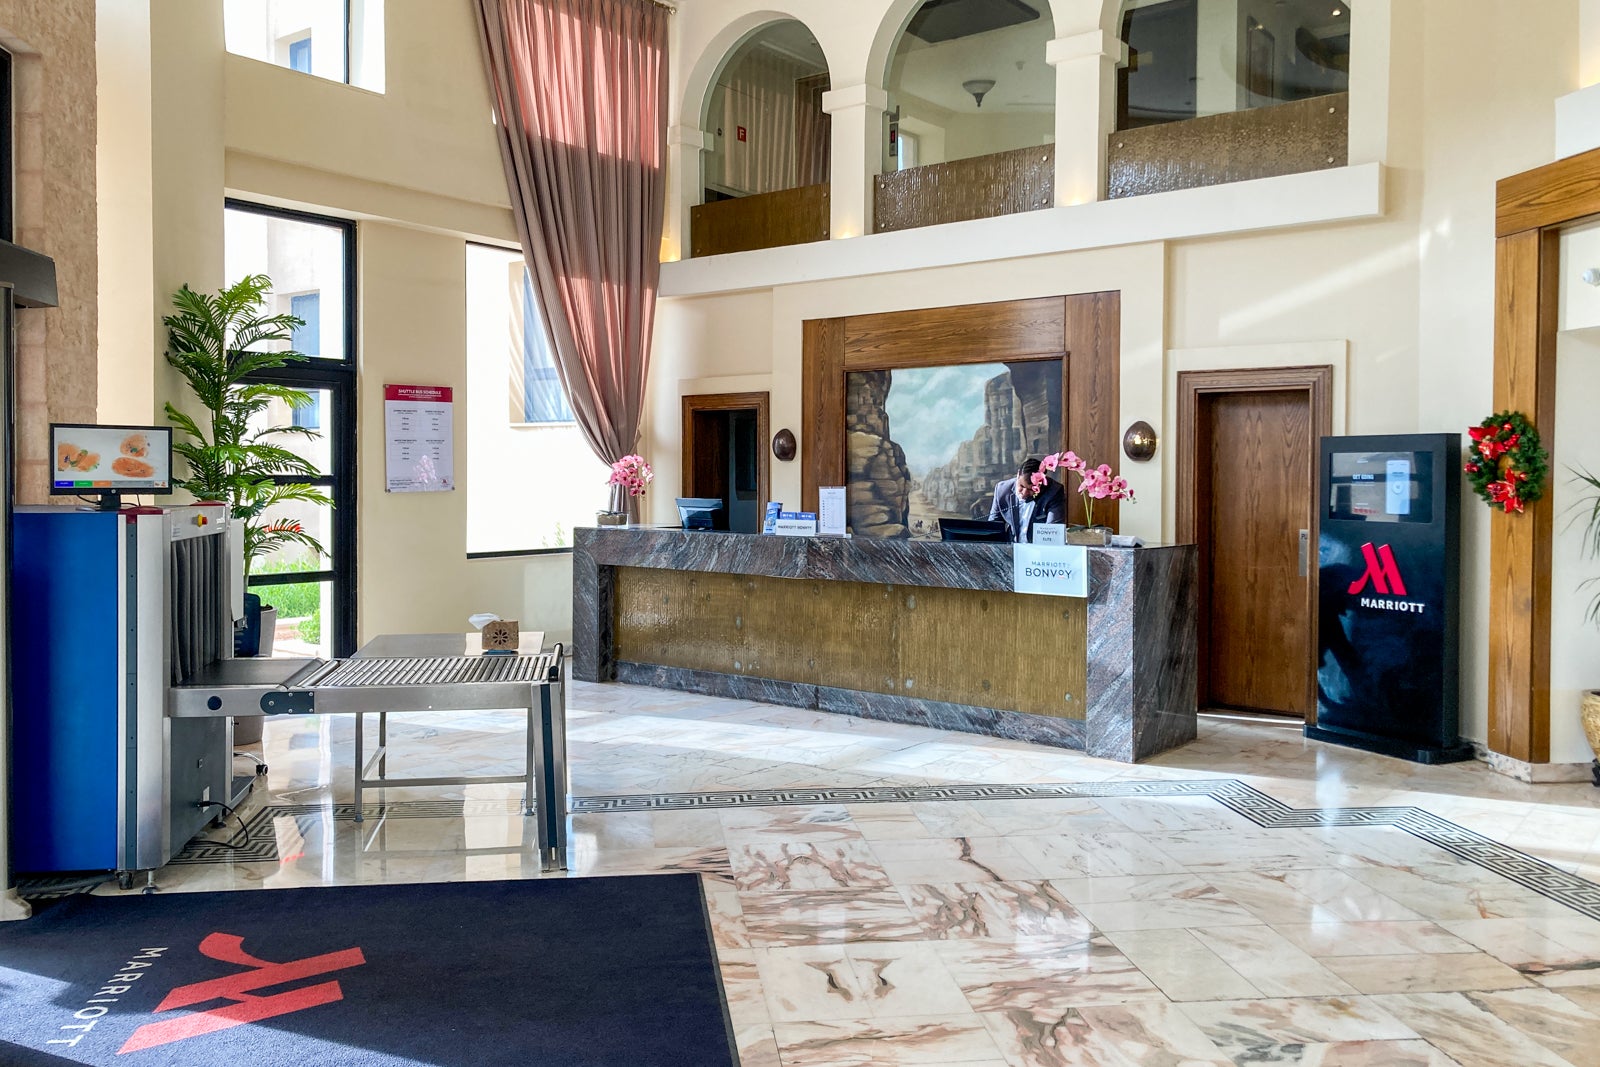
x,y
1462,1030
935,860
1173,814
857,981
1570,1031
1340,938
1208,910
1270,962
1182,966
1248,850
1008,911
1307,895
828,916
755,826
1555,951
1457,893
1050,1038
888,822
1096,855
900,1042
781,865
1249,1031
1154,1034
1419,973
1041,975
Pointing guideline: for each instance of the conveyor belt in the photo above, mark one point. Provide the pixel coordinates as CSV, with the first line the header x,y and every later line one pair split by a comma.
x,y
442,670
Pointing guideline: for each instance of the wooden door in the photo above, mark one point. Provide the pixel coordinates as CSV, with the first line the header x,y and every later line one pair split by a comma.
x,y
1260,495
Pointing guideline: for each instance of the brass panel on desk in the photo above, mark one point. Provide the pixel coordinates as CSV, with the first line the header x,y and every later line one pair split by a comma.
x,y
985,649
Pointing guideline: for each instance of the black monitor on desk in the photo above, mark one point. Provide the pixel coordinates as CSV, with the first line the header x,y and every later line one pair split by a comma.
x,y
974,530
702,513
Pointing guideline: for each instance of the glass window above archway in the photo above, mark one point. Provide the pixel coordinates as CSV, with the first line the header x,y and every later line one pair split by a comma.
x,y
970,131
1219,91
769,149
1192,58
969,78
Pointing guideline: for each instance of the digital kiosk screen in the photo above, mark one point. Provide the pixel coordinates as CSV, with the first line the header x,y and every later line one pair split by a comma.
x,y
1381,486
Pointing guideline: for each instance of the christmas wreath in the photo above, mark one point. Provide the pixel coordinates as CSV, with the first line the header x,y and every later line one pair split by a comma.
x,y
1505,462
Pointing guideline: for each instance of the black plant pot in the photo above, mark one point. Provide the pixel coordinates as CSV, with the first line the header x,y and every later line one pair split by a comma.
x,y
247,641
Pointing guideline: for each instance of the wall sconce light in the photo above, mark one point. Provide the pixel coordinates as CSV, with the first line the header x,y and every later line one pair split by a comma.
x,y
1591,276
978,87
1139,443
783,445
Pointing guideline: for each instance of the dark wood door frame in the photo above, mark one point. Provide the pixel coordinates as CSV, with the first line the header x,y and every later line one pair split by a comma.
x,y
1193,387
1531,210
759,403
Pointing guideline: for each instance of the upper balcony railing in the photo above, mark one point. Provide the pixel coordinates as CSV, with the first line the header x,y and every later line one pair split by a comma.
x,y
762,220
1263,142
980,187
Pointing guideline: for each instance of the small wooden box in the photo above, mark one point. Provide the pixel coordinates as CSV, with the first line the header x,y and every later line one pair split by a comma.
x,y
502,635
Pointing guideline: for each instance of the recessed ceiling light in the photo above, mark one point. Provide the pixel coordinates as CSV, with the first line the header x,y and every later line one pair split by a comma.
x,y
1338,11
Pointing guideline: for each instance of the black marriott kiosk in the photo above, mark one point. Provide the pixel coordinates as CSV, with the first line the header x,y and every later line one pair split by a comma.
x,y
1389,613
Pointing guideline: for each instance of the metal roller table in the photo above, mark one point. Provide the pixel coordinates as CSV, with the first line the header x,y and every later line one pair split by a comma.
x,y
409,673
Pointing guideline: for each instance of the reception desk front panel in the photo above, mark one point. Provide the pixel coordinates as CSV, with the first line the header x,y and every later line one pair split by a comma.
x,y
906,631
960,646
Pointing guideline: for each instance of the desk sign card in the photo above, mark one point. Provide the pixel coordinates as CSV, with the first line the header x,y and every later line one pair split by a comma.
x,y
796,524
769,524
418,430
830,511
1050,570
1049,533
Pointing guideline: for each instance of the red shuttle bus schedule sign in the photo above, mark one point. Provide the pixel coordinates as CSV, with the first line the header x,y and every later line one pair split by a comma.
x,y
418,424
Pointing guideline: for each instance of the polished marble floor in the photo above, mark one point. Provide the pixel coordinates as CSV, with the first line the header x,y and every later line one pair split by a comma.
x,y
890,895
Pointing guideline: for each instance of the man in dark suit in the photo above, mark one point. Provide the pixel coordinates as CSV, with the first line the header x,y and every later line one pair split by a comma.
x,y
1021,507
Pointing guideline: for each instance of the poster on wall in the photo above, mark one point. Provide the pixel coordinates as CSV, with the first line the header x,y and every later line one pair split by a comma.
x,y
929,443
419,449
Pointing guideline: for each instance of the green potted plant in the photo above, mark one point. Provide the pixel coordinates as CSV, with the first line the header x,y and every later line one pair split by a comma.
x,y
1590,502
233,454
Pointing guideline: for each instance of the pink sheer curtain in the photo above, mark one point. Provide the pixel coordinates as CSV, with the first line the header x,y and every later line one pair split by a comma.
x,y
580,95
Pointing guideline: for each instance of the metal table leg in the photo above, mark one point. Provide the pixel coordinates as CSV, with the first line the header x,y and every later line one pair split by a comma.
x,y
548,749
361,718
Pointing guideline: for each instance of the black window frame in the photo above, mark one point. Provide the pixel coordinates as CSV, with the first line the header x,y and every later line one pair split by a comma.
x,y
340,378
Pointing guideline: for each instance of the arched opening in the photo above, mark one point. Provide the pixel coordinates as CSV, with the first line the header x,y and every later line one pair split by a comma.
x,y
768,149
1208,63
970,129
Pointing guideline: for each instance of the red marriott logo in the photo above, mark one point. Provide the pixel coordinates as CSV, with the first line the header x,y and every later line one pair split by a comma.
x,y
246,1006
1382,572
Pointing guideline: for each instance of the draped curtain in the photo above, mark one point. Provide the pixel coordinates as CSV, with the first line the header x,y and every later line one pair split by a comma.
x,y
813,131
580,95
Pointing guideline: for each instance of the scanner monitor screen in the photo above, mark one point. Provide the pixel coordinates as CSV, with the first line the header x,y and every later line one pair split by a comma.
x,y
973,530
702,513
110,459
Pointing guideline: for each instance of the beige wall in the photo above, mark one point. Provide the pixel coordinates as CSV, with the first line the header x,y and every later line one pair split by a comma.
x,y
52,42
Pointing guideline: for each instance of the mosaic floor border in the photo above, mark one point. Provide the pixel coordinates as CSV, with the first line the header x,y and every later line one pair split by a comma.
x,y
1265,811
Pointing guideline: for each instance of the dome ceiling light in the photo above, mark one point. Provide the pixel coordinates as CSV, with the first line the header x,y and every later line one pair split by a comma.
x,y
978,87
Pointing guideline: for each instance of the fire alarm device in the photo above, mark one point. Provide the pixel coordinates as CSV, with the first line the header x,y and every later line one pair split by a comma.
x,y
742,136
502,635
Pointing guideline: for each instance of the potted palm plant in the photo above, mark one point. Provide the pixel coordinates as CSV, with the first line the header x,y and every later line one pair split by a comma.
x,y
1590,502
233,452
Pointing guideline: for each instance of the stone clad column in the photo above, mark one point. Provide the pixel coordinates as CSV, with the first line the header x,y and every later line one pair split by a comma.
x,y
685,189
1086,111
857,114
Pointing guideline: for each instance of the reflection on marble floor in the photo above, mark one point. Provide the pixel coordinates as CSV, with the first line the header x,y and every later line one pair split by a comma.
x,y
1102,926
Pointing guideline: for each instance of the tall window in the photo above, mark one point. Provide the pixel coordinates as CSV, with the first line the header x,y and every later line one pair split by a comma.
x,y
309,259
531,477
341,40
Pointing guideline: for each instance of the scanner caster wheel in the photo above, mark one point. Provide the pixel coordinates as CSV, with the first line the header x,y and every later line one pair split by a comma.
x,y
261,770
124,879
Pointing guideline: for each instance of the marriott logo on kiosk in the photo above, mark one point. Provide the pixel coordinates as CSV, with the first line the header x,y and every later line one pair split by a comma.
x,y
1383,574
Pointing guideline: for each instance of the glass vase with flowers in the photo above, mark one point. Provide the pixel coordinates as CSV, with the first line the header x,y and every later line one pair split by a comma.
x,y
1094,483
629,478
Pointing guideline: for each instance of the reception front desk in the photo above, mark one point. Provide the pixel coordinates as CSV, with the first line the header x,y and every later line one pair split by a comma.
x,y
914,632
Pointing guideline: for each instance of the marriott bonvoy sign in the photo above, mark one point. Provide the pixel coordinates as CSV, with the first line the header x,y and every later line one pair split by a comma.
x,y
1050,570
